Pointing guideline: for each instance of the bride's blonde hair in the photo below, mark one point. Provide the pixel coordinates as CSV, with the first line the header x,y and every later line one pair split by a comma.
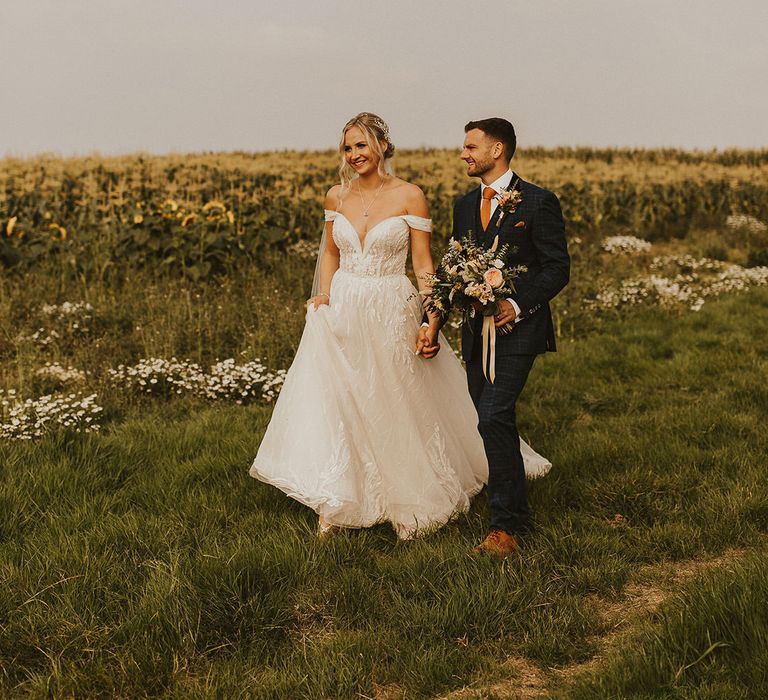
x,y
375,130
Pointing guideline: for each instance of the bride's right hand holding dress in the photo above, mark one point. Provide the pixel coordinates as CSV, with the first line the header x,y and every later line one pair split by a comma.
x,y
317,301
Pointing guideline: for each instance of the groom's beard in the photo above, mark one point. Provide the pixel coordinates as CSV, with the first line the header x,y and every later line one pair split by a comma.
x,y
479,168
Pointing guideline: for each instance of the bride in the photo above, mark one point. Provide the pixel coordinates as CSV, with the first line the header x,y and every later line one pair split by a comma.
x,y
372,425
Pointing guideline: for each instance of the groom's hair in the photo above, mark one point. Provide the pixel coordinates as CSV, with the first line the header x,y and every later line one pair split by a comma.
x,y
497,128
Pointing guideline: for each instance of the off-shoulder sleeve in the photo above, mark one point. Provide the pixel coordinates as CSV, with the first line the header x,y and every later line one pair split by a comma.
x,y
419,223
330,215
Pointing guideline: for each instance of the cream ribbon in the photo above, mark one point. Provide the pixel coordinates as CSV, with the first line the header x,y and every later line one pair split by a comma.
x,y
489,338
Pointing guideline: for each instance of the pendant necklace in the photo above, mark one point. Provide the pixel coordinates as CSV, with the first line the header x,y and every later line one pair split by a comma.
x,y
360,192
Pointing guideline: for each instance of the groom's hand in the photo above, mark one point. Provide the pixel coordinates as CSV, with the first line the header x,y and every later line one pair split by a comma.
x,y
426,343
506,314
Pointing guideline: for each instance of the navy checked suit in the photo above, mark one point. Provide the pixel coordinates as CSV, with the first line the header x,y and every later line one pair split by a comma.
x,y
535,233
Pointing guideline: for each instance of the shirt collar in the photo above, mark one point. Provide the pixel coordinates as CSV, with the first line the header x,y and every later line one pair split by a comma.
x,y
500,183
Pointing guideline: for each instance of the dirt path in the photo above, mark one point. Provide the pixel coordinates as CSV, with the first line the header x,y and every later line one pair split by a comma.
x,y
652,585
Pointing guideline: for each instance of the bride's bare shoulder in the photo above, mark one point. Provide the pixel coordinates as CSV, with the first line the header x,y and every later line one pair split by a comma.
x,y
333,198
414,200
412,197
402,185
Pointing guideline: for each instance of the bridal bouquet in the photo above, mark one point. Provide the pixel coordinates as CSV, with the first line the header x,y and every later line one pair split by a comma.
x,y
469,275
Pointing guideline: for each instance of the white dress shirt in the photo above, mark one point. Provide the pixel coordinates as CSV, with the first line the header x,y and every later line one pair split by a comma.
x,y
499,184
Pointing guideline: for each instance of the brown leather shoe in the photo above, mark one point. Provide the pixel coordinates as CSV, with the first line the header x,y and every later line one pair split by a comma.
x,y
498,543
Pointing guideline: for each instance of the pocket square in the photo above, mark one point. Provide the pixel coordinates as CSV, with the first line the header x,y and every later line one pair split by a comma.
x,y
520,224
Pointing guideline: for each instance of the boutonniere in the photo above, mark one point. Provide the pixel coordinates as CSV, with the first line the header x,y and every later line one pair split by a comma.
x,y
509,201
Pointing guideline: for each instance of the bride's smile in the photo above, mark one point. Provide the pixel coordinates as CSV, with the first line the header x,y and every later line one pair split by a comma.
x,y
358,153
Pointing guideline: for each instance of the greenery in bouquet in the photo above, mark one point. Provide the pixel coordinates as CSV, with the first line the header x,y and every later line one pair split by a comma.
x,y
471,278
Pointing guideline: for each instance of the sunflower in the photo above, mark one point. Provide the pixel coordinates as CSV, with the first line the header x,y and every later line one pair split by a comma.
x,y
61,232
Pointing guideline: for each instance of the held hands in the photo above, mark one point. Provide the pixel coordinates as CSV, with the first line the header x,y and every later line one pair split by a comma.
x,y
426,342
317,300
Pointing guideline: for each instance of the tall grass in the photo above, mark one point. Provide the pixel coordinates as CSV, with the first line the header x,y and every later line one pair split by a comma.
x,y
146,562
709,641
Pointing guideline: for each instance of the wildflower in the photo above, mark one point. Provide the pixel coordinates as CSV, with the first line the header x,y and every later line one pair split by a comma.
x,y
226,380
680,281
54,371
32,418
750,223
625,244
303,249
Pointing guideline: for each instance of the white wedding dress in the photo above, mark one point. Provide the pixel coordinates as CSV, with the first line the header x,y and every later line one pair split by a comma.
x,y
365,431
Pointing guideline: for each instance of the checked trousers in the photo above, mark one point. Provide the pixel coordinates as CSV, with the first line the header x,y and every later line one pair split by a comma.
x,y
497,422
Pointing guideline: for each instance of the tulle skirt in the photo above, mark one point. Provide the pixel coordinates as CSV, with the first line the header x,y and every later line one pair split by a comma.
x,y
365,431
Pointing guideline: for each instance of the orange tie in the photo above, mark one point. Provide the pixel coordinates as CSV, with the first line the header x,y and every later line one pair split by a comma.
x,y
485,206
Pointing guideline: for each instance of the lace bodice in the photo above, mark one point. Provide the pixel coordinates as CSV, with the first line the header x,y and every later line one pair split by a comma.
x,y
384,248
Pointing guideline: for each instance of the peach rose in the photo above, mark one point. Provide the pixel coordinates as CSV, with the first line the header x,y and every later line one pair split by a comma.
x,y
494,277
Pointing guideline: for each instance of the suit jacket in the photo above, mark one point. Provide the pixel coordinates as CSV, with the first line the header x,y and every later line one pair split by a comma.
x,y
535,233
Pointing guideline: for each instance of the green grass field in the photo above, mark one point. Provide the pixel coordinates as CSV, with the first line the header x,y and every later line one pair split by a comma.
x,y
145,562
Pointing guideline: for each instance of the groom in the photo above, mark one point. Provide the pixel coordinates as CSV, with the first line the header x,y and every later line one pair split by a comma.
x,y
535,234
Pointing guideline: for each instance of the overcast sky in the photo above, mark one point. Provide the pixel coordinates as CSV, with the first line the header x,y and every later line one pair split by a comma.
x,y
117,76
